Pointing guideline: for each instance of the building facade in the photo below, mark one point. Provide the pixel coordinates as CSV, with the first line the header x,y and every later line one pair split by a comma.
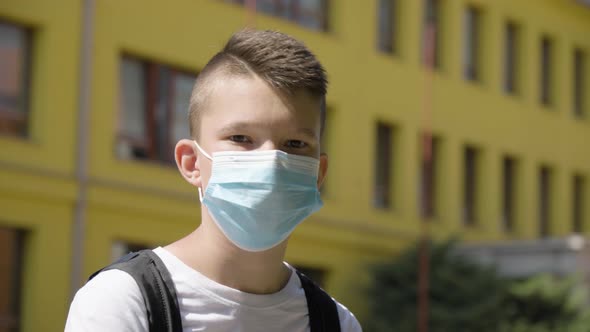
x,y
93,96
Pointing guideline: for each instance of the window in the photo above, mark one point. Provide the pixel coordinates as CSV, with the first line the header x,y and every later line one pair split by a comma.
x,y
387,26
308,13
471,43
315,274
545,200
428,177
545,70
511,54
154,106
508,193
470,188
383,153
11,261
431,33
578,198
15,67
579,83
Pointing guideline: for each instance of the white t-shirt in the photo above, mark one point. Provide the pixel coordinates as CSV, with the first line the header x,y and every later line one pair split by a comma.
x,y
112,301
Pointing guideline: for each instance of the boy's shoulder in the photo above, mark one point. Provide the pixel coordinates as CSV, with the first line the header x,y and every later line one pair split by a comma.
x,y
320,303
112,300
348,322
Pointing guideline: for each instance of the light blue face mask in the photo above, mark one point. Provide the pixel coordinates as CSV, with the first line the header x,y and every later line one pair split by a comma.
x,y
257,198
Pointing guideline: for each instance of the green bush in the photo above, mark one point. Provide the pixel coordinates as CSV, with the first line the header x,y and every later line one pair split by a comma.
x,y
545,303
465,296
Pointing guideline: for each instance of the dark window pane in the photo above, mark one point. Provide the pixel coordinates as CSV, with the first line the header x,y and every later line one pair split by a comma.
x,y
546,70
428,178
470,188
431,33
383,162
14,79
387,14
579,83
270,7
312,14
183,87
510,57
578,198
11,255
133,135
545,201
508,193
308,13
471,43
164,103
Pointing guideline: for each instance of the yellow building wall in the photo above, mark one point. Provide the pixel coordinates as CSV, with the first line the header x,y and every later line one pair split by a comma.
x,y
147,202
37,185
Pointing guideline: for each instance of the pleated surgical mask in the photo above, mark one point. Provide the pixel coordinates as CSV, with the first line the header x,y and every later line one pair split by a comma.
x,y
257,198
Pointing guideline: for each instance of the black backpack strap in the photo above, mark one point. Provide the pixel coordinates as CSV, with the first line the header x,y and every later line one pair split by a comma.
x,y
156,286
323,312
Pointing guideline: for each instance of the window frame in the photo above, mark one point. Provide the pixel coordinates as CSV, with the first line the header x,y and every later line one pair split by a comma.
x,y
293,13
545,200
14,118
509,193
472,33
546,59
429,175
432,17
579,82
579,192
471,186
388,42
12,320
511,58
383,166
153,79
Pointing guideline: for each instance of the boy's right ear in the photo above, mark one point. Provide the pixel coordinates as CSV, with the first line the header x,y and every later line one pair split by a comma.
x,y
186,157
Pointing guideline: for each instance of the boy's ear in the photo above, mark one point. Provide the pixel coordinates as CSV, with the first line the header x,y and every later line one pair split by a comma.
x,y
323,169
186,161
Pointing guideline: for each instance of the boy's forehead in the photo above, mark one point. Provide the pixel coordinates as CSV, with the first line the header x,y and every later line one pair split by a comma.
x,y
251,92
240,102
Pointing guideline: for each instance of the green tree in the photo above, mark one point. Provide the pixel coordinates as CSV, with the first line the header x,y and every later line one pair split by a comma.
x,y
546,303
463,296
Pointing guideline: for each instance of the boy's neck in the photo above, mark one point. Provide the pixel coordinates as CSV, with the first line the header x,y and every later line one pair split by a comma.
x,y
209,252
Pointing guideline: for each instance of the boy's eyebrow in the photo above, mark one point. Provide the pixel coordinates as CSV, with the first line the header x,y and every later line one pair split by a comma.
x,y
308,132
235,126
242,126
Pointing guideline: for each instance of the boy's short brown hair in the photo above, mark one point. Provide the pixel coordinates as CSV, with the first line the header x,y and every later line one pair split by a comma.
x,y
283,62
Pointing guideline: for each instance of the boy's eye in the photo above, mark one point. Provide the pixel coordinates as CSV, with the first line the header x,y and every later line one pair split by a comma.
x,y
239,138
296,144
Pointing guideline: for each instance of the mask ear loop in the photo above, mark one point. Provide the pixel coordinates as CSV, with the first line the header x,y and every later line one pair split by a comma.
x,y
202,151
208,157
200,194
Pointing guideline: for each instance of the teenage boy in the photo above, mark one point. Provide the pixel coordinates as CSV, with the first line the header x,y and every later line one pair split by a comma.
x,y
256,116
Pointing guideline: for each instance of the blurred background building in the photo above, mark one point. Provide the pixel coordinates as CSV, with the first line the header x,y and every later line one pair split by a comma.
x,y
94,95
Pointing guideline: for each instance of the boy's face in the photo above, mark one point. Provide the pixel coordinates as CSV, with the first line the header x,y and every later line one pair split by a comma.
x,y
244,113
